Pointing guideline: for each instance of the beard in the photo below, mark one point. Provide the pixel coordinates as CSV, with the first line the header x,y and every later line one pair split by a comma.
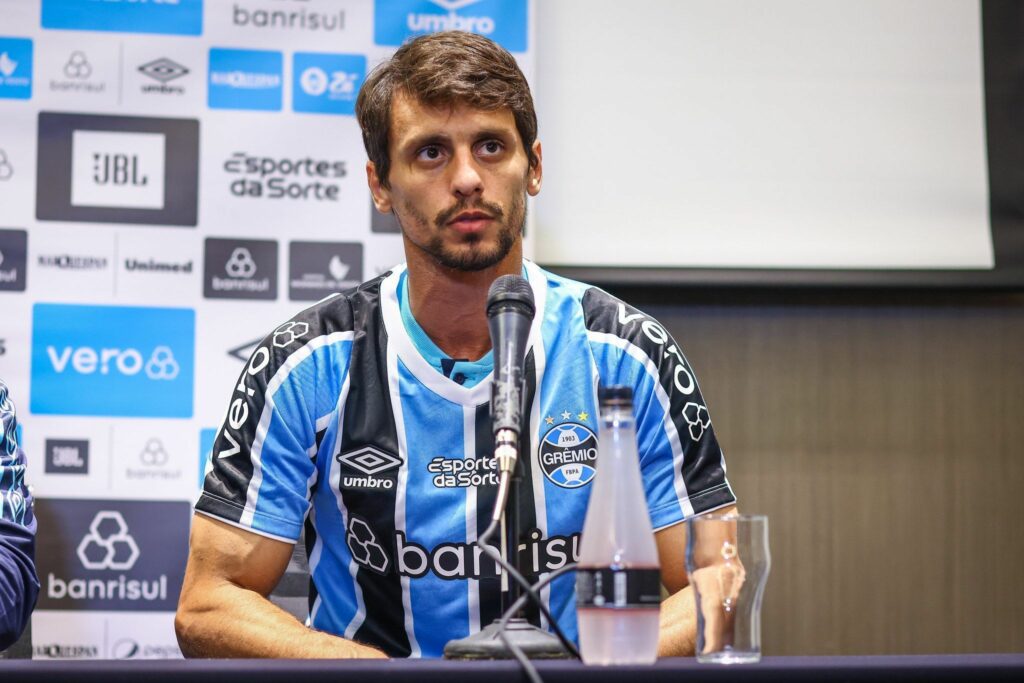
x,y
471,255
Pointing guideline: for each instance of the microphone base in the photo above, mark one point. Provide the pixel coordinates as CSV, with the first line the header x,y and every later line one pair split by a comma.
x,y
535,643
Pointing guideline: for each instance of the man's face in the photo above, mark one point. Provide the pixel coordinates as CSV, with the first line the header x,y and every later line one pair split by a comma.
x,y
459,178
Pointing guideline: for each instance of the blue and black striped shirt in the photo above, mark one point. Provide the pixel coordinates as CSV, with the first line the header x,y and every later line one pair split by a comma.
x,y
338,423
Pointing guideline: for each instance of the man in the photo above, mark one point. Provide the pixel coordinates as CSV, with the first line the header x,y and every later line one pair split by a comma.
x,y
366,417
19,585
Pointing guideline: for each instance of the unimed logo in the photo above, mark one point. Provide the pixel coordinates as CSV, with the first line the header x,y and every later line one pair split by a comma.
x,y
111,554
503,21
112,360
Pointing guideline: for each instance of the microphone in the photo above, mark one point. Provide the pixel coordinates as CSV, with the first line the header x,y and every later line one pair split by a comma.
x,y
510,311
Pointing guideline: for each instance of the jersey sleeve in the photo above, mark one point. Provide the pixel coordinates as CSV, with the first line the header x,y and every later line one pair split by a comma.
x,y
681,462
19,584
263,465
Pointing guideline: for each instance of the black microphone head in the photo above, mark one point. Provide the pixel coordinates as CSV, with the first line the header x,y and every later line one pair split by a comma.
x,y
510,291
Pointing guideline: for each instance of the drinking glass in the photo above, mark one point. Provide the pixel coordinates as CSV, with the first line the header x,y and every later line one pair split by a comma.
x,y
727,562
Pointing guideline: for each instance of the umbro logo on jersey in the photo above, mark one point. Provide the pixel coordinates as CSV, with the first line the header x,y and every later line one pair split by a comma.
x,y
371,463
369,460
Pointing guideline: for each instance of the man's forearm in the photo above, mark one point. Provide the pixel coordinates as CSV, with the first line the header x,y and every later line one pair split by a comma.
x,y
230,621
677,634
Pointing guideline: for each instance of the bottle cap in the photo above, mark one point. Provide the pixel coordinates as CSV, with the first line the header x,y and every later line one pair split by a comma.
x,y
618,395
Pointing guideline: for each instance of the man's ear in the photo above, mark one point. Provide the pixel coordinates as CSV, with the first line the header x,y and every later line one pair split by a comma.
x,y
536,172
381,195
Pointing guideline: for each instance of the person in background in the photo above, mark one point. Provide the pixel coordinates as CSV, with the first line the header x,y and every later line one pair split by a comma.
x,y
19,585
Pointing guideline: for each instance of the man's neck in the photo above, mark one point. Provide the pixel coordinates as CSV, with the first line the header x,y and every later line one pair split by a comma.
x,y
450,305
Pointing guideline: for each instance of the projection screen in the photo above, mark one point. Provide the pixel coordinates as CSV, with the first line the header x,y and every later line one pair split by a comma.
x,y
817,142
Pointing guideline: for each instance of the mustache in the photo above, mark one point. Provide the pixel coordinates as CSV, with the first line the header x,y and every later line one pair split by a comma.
x,y
445,216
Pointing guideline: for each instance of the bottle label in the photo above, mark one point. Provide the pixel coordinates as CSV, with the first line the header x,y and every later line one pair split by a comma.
x,y
618,588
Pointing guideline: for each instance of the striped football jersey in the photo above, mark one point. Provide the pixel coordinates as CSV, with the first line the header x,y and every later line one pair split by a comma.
x,y
339,425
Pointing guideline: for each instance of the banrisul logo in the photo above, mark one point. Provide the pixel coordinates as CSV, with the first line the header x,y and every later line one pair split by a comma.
x,y
503,21
240,269
170,17
13,255
112,361
15,68
111,554
568,455
245,79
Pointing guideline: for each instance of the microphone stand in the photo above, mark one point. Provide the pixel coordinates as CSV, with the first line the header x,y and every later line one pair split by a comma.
x,y
510,519
510,311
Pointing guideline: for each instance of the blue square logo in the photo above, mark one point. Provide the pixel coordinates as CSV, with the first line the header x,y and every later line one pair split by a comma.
x,y
503,21
15,68
174,17
206,439
245,79
116,361
326,83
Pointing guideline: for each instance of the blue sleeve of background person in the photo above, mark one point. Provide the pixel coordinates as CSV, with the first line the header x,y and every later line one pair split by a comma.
x,y
308,395
657,455
19,585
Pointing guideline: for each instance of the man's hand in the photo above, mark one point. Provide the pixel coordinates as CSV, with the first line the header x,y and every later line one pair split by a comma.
x,y
718,586
678,630
224,611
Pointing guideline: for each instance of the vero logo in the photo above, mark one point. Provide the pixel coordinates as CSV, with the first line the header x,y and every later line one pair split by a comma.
x,y
87,360
112,361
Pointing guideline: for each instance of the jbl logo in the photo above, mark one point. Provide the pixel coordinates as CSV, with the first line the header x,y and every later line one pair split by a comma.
x,y
118,169
67,456
121,169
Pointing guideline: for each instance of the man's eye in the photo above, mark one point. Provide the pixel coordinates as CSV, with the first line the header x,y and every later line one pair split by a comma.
x,y
491,147
431,153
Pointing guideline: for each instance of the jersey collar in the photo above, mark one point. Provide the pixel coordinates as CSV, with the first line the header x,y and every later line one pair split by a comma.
x,y
425,373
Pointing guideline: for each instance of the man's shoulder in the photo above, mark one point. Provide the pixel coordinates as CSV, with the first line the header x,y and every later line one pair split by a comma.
x,y
563,293
332,321
346,311
603,313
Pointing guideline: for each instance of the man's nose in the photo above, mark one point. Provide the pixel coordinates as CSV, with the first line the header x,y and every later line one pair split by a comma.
x,y
466,179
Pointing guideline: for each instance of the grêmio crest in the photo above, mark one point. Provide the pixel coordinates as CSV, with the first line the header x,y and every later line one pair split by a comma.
x,y
568,455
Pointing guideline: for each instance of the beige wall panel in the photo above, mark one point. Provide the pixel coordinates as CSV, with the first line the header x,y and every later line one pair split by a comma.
x,y
883,437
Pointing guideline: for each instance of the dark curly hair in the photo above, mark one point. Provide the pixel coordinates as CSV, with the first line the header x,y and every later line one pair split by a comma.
x,y
444,69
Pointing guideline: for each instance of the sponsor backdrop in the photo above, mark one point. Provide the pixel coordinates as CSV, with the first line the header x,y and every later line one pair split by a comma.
x,y
177,177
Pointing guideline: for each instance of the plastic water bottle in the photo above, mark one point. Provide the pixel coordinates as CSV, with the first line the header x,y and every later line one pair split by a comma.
x,y
618,582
